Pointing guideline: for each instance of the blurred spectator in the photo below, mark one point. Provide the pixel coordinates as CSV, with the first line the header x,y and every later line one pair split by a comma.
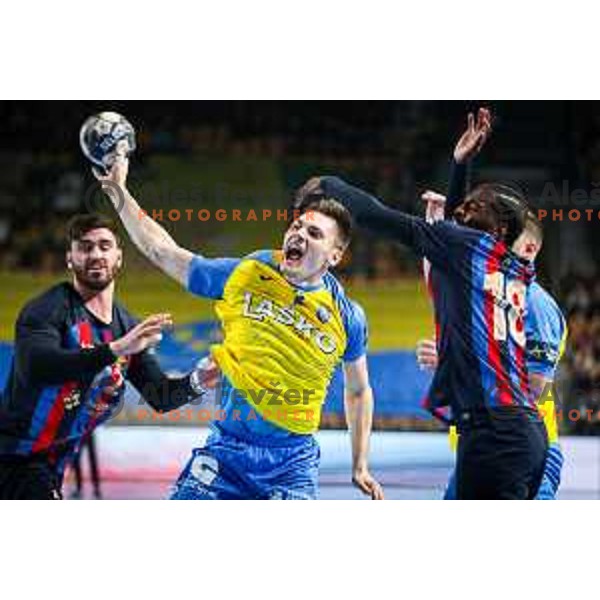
x,y
582,359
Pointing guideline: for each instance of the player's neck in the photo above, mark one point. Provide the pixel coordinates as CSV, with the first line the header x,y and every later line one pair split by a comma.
x,y
99,303
310,281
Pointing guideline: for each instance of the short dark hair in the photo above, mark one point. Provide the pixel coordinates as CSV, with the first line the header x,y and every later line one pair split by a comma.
x,y
320,203
80,224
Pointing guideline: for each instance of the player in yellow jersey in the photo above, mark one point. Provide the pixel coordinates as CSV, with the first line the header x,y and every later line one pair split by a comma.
x,y
287,323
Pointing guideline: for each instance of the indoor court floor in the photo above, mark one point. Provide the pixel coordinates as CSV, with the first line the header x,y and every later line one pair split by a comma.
x,y
141,462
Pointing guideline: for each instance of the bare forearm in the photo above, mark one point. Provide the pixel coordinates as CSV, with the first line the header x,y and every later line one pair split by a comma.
x,y
359,418
144,231
150,238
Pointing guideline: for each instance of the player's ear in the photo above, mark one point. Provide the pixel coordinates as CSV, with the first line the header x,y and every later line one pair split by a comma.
x,y
336,256
69,260
119,257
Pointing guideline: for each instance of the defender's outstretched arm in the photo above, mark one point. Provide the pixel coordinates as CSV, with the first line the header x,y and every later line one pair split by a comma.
x,y
370,213
427,240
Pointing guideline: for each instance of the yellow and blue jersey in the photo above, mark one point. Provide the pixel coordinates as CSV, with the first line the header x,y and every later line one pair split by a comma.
x,y
281,342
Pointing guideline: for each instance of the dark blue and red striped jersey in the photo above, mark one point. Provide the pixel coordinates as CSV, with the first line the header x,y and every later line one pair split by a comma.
x,y
62,365
479,289
479,293
545,326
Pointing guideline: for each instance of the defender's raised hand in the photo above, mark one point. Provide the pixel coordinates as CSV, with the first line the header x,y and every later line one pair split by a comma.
x,y
475,136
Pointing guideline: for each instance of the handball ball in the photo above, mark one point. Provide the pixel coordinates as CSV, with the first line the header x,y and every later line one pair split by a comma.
x,y
104,135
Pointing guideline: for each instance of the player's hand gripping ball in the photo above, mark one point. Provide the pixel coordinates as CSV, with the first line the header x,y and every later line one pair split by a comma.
x,y
105,136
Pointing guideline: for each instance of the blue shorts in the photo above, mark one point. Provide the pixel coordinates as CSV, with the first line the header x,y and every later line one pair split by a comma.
x,y
231,468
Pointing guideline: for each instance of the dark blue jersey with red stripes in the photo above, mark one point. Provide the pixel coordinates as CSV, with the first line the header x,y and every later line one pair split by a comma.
x,y
480,300
545,326
479,290
62,367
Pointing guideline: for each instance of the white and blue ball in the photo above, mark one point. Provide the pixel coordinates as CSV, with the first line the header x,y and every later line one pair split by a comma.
x,y
105,135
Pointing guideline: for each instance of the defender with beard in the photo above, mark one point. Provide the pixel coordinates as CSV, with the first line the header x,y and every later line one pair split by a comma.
x,y
74,348
287,324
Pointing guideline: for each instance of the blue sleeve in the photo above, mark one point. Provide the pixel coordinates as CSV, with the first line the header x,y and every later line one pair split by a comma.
x,y
207,276
355,322
552,473
544,329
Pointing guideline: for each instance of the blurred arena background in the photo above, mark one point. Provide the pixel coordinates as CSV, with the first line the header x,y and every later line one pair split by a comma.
x,y
251,155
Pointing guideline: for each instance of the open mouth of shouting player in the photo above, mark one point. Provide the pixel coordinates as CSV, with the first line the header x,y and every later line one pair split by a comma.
x,y
311,245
